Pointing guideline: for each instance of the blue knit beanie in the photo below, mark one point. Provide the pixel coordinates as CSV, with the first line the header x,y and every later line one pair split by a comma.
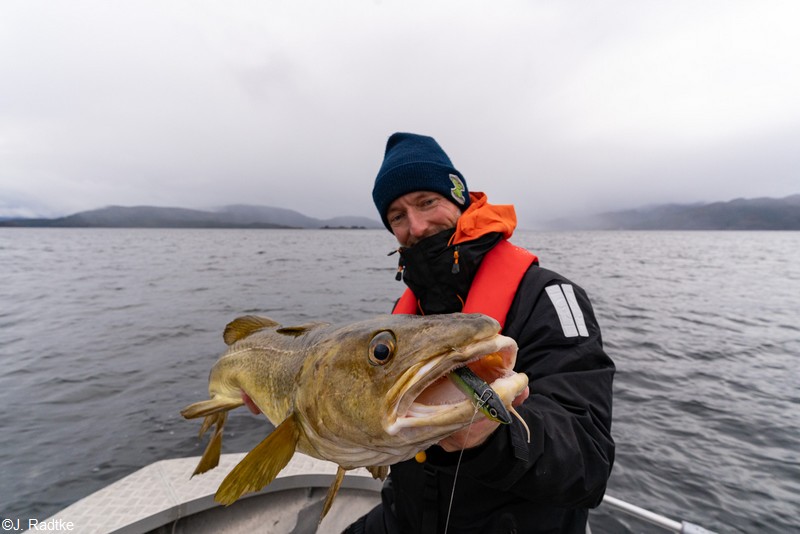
x,y
416,163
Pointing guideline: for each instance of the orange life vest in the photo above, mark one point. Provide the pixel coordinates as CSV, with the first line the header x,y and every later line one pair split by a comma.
x,y
495,284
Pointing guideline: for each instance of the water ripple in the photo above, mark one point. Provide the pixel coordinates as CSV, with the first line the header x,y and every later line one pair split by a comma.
x,y
106,335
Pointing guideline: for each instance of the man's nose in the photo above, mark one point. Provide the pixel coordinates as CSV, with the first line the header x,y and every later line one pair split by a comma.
x,y
417,224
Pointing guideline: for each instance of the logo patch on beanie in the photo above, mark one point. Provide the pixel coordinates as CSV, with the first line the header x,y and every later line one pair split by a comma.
x,y
457,192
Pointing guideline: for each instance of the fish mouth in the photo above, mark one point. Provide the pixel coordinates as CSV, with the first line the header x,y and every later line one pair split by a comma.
x,y
428,398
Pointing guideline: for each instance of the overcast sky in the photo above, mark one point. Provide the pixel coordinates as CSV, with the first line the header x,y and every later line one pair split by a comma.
x,y
559,107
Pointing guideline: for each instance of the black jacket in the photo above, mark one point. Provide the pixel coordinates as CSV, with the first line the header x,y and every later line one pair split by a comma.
x,y
507,484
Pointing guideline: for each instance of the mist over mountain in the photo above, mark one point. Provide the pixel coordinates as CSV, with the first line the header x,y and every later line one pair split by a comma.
x,y
738,214
234,216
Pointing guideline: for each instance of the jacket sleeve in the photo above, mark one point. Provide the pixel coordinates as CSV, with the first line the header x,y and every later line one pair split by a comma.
x,y
568,412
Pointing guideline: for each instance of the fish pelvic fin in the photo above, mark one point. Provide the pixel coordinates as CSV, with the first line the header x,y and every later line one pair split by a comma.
x,y
210,406
215,411
262,464
210,458
241,327
379,471
332,491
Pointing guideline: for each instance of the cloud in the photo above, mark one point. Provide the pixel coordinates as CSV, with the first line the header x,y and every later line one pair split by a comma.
x,y
552,106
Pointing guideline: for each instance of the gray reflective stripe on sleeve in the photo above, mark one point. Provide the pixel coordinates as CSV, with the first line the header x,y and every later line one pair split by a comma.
x,y
569,312
562,308
577,314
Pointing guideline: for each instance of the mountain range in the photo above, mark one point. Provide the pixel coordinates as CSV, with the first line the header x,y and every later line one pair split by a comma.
x,y
234,216
739,214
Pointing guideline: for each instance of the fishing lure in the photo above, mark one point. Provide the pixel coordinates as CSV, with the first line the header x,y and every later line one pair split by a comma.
x,y
481,394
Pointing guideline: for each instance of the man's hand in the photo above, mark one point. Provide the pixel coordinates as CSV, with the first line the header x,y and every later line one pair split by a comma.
x,y
478,432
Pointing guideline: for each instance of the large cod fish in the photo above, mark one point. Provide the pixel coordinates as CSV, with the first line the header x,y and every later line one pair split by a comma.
x,y
368,394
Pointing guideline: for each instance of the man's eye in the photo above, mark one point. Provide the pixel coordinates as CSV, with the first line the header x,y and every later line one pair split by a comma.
x,y
393,219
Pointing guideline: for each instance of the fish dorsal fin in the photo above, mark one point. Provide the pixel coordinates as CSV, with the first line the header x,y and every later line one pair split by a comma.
x,y
241,327
332,491
298,330
379,471
261,465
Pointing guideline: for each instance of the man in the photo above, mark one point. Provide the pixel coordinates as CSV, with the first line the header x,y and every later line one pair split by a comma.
x,y
454,257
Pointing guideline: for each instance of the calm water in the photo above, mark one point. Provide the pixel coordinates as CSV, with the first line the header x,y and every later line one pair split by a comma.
x,y
106,334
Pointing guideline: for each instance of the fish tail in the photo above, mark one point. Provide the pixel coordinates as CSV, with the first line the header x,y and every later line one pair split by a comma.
x,y
261,465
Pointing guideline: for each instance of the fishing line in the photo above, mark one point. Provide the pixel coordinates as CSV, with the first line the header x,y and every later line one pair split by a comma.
x,y
458,464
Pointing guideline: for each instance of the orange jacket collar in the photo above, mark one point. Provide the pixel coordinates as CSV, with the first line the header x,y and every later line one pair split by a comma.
x,y
482,218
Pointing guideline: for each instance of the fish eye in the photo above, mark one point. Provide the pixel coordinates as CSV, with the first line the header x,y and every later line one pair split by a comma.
x,y
382,347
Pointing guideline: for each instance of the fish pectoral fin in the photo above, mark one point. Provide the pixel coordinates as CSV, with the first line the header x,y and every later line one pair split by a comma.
x,y
210,406
241,327
210,458
379,471
332,491
262,464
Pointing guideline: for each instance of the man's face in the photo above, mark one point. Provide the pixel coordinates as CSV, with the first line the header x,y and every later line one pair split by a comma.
x,y
415,216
